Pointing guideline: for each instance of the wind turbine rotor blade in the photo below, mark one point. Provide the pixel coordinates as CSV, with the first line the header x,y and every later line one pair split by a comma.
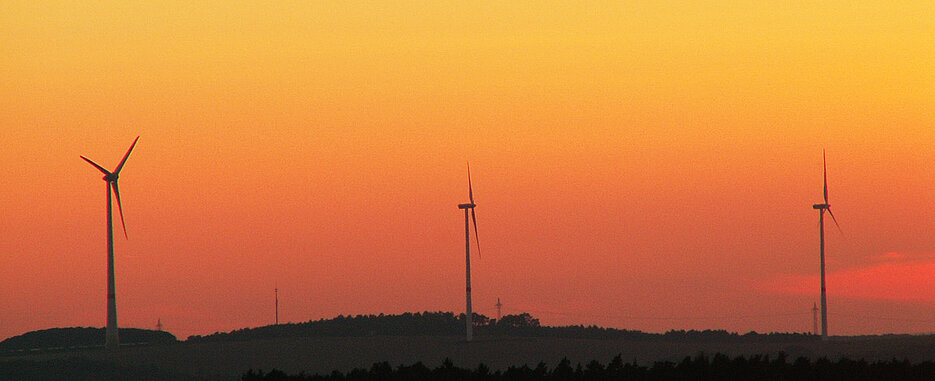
x,y
476,238
120,208
124,161
470,189
825,165
835,221
99,168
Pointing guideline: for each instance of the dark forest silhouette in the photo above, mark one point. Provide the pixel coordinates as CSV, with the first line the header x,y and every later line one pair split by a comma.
x,y
447,323
78,368
701,367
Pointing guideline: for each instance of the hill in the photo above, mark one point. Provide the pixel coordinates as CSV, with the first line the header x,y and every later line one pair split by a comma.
x,y
449,324
348,342
81,337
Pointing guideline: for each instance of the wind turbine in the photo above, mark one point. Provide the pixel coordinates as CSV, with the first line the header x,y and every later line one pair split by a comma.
x,y
112,340
469,316
821,224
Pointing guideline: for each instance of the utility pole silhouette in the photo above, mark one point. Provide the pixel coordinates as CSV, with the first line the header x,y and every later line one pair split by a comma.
x,y
276,291
499,305
814,318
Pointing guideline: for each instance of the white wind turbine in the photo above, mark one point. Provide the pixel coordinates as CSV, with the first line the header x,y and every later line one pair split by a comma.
x,y
469,315
112,340
821,224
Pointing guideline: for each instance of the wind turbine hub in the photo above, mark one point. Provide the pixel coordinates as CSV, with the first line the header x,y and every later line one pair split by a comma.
x,y
111,177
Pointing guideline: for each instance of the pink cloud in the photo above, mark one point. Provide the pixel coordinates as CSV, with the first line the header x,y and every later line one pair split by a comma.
x,y
891,256
894,256
895,279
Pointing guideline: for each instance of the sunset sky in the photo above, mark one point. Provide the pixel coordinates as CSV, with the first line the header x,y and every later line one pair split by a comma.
x,y
642,164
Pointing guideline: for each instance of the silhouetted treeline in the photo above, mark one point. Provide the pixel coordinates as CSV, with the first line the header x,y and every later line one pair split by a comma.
x,y
64,338
80,369
718,367
447,323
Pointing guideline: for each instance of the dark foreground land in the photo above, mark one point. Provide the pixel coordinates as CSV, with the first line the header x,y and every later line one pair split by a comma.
x,y
231,360
321,347
718,367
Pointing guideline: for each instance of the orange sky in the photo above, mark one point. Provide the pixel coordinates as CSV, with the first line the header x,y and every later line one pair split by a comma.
x,y
648,166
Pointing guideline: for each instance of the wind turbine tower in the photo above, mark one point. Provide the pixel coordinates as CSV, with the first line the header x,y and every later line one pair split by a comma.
x,y
499,305
469,315
822,208
112,341
276,291
159,324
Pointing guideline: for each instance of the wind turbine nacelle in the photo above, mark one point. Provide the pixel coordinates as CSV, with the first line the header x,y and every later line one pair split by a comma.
x,y
821,206
466,206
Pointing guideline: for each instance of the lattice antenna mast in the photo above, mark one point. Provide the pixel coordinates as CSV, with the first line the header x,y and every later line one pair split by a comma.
x,y
814,318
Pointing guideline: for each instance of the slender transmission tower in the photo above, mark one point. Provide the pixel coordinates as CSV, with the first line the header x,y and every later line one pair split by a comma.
x,y
814,318
499,306
276,291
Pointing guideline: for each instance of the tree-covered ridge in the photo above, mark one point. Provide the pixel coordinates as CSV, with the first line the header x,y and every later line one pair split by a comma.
x,y
718,367
447,323
76,337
